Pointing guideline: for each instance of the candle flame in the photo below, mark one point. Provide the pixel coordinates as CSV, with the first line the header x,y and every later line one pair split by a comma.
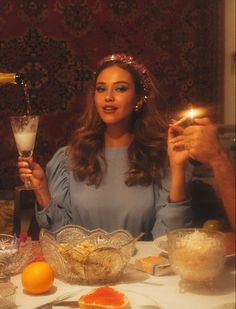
x,y
191,113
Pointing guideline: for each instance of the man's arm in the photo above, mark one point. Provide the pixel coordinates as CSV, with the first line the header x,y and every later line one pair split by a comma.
x,y
202,142
224,178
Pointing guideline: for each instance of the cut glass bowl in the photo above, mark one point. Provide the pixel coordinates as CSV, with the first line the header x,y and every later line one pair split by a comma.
x,y
197,255
13,256
7,295
81,256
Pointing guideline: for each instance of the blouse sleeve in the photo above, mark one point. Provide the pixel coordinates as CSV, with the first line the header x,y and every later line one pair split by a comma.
x,y
58,212
170,215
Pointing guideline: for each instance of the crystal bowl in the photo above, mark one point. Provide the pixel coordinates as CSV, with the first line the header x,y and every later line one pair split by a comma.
x,y
13,255
81,256
197,255
7,295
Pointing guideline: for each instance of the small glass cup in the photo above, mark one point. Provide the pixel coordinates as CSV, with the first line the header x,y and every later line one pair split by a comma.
x,y
7,294
197,255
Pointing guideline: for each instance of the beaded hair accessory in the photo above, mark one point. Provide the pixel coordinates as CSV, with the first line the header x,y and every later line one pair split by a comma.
x,y
139,68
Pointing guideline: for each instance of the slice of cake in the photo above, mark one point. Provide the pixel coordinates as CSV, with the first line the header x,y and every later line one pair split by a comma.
x,y
104,297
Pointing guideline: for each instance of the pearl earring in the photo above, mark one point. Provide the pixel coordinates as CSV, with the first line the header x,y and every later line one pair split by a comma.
x,y
138,107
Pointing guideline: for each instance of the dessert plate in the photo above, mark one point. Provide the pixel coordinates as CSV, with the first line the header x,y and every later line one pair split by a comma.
x,y
161,243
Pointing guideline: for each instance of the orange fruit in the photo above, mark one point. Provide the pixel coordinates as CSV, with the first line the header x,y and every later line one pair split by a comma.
x,y
37,277
213,224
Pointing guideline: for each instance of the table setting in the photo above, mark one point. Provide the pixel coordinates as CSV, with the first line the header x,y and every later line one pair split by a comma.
x,y
143,272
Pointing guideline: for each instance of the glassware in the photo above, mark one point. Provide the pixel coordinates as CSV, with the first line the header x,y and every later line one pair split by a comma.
x,y
25,129
7,295
197,255
13,255
81,256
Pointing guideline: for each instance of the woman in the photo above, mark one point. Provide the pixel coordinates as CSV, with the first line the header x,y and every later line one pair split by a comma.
x,y
113,174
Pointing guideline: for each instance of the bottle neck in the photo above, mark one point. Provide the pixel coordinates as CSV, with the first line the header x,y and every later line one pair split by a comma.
x,y
11,78
19,79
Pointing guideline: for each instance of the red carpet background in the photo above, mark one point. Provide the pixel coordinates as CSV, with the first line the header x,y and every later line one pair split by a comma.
x,y
56,45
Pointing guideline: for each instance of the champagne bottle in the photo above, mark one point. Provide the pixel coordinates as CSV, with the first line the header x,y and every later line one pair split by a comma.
x,y
11,78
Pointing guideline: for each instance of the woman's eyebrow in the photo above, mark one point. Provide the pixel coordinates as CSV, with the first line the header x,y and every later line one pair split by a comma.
x,y
117,82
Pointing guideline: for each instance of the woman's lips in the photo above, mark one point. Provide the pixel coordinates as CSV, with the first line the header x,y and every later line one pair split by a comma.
x,y
109,109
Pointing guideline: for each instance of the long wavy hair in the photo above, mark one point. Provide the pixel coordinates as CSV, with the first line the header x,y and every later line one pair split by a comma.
x,y
147,154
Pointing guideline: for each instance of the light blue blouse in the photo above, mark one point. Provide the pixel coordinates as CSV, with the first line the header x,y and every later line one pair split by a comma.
x,y
113,205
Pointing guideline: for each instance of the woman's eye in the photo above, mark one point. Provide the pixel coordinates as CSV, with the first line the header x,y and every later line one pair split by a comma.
x,y
121,88
100,88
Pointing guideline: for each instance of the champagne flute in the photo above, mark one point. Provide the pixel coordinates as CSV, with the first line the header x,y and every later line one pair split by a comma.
x,y
25,129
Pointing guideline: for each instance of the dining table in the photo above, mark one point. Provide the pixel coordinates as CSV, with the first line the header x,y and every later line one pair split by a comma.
x,y
157,291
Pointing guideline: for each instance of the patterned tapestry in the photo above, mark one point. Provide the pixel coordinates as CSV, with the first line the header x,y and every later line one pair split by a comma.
x,y
57,43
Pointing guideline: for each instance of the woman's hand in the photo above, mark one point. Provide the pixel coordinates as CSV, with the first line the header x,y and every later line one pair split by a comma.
x,y
178,156
33,171
177,152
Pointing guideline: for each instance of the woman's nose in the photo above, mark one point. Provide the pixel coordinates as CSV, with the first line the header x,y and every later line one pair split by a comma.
x,y
109,96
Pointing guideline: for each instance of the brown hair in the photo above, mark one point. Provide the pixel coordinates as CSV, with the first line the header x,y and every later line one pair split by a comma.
x,y
147,153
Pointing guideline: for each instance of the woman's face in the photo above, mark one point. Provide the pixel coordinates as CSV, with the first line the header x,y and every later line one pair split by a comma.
x,y
115,96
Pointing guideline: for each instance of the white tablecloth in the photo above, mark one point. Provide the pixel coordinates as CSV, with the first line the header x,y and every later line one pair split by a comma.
x,y
164,290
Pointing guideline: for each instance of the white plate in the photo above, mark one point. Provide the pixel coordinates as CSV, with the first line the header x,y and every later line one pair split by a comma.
x,y
136,299
161,243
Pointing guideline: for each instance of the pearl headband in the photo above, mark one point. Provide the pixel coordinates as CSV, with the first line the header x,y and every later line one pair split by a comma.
x,y
139,68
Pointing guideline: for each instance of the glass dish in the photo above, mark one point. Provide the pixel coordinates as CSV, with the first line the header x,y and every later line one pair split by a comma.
x,y
161,242
13,256
197,255
7,295
81,256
